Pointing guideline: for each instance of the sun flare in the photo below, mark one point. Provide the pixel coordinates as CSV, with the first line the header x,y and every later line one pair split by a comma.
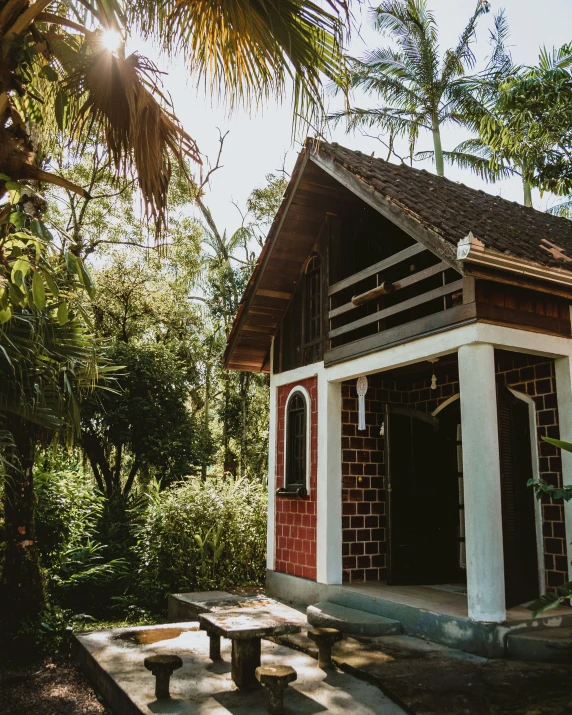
x,y
111,40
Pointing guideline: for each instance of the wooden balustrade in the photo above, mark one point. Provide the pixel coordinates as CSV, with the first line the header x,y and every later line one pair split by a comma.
x,y
390,287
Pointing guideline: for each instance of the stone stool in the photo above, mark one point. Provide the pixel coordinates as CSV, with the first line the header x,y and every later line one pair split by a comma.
x,y
162,667
275,678
325,638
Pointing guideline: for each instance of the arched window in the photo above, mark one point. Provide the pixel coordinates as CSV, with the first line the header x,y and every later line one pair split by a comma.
x,y
313,307
296,457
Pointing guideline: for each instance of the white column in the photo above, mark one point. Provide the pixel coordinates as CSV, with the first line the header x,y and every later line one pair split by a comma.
x,y
563,369
481,476
272,431
329,491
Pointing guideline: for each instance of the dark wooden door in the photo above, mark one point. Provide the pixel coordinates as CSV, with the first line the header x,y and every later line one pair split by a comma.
x,y
518,509
421,497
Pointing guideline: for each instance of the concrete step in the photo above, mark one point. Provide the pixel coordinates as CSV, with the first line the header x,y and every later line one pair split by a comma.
x,y
351,621
547,645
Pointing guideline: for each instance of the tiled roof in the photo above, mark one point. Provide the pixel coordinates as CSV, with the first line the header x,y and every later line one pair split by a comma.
x,y
453,210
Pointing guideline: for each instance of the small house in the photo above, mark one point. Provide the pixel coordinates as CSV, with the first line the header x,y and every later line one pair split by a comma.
x,y
417,335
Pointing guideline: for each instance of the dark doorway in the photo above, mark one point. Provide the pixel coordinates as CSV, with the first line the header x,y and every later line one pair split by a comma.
x,y
422,496
518,509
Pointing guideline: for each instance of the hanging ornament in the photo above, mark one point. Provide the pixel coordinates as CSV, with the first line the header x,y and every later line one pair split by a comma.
x,y
361,388
433,381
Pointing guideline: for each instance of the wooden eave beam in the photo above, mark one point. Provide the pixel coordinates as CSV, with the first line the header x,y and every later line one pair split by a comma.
x,y
273,234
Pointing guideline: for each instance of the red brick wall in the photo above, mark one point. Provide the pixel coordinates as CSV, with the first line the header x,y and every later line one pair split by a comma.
x,y
296,518
363,470
363,488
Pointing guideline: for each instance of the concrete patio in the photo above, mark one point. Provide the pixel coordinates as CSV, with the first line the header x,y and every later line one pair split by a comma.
x,y
113,661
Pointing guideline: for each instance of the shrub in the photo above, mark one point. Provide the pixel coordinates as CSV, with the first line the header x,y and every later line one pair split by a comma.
x,y
85,569
200,536
68,511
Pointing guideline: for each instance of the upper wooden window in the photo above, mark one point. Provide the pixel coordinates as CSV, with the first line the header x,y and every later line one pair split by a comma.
x,y
296,441
313,307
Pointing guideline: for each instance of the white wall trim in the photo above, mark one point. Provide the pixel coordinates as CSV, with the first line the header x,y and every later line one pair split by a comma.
x,y
536,474
272,433
308,400
329,483
563,371
298,374
434,346
445,343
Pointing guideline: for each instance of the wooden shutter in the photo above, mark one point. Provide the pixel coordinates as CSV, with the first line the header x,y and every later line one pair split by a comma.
x,y
296,441
518,511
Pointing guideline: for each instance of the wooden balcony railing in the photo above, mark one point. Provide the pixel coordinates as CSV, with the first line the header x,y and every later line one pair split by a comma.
x,y
389,293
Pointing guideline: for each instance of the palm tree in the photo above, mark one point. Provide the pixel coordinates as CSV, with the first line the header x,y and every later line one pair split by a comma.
x,y
59,81
520,129
419,90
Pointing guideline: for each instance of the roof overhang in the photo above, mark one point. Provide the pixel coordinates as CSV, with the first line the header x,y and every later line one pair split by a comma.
x,y
472,251
322,182
309,197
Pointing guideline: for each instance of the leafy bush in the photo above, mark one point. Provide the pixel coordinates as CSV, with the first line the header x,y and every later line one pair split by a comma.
x,y
83,572
199,536
68,511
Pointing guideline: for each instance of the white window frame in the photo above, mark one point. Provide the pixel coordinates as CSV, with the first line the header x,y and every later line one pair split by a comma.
x,y
306,396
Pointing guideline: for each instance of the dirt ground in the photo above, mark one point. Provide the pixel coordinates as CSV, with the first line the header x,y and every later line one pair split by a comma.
x,y
47,687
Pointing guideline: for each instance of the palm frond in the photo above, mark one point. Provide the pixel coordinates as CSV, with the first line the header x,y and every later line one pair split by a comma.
x,y
500,60
414,28
393,89
563,209
386,60
557,58
387,119
462,56
246,50
490,169
118,97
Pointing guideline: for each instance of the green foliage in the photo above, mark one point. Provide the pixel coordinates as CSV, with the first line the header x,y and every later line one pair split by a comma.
x,y
542,487
563,593
555,598
72,517
68,510
531,121
147,422
418,87
229,518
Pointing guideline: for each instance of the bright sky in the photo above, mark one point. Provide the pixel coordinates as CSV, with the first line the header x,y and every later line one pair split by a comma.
x,y
262,143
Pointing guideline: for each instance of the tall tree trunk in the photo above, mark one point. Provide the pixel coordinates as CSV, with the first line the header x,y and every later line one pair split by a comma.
x,y
22,587
527,193
206,419
245,384
226,460
439,163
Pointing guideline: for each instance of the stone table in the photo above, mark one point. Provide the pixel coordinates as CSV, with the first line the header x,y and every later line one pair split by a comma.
x,y
245,630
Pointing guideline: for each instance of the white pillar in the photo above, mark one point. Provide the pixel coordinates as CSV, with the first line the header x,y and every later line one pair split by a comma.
x,y
481,476
329,488
272,432
563,369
